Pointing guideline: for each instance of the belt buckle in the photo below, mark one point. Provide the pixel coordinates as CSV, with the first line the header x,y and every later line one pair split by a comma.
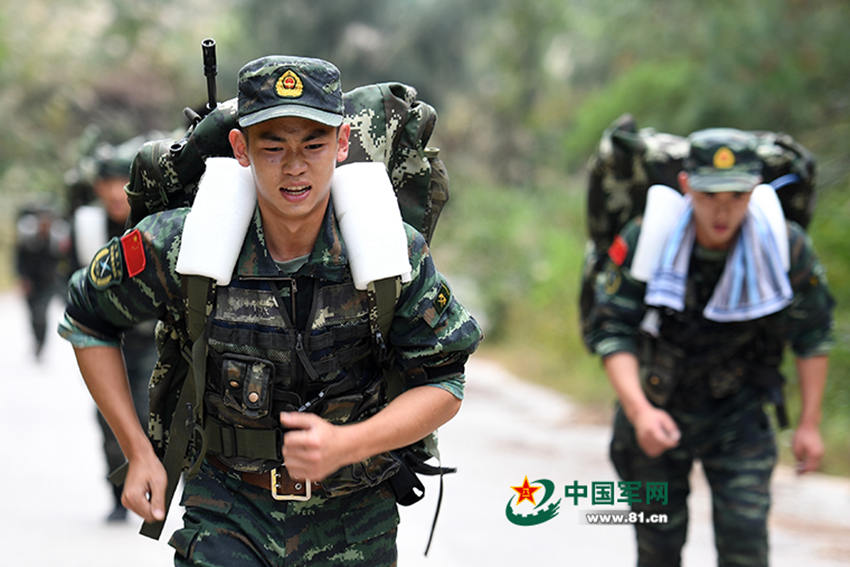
x,y
297,497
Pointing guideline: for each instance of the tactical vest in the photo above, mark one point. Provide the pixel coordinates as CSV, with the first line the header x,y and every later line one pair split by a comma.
x,y
388,125
259,364
688,360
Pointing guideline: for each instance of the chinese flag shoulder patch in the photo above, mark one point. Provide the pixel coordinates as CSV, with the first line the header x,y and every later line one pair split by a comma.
x,y
134,252
618,250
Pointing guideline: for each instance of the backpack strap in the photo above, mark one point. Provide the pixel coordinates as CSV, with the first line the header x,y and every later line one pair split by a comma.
x,y
199,291
382,295
187,421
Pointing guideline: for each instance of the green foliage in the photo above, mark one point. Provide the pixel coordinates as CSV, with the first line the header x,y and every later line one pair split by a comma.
x,y
66,66
412,41
657,92
829,234
524,251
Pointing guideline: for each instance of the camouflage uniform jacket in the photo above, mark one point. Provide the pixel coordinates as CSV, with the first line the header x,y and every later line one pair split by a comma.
x,y
251,336
706,345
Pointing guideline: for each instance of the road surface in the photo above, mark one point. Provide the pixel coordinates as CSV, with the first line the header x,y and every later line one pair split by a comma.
x,y
55,497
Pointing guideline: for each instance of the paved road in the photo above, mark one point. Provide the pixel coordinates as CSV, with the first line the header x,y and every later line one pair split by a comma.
x,y
54,496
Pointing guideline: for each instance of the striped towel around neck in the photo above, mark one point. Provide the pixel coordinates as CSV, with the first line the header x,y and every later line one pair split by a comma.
x,y
754,282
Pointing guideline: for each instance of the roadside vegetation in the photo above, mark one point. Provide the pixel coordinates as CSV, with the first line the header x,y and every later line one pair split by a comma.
x,y
523,250
523,89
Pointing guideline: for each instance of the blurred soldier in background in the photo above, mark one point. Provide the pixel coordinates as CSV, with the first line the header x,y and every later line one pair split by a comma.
x,y
698,300
41,243
94,224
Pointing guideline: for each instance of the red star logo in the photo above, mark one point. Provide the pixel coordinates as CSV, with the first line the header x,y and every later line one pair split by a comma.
x,y
526,491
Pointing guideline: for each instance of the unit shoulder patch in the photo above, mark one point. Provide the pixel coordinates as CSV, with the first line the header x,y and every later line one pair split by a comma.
x,y
106,268
442,299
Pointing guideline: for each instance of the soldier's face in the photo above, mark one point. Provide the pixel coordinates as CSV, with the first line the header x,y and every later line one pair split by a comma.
x,y
718,217
111,193
293,161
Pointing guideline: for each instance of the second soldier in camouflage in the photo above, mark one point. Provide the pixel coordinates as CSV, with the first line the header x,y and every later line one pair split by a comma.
x,y
692,387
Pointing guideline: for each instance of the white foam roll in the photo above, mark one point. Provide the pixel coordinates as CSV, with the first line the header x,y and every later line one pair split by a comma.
x,y
216,226
370,222
664,206
764,197
89,232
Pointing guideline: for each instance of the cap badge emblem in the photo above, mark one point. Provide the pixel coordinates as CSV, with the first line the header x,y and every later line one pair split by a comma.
x,y
289,85
724,158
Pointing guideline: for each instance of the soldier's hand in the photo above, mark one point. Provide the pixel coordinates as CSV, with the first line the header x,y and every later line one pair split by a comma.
x,y
807,446
144,488
313,448
655,430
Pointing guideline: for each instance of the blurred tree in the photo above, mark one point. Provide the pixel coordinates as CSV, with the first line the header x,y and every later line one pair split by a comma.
x,y
421,42
772,64
67,64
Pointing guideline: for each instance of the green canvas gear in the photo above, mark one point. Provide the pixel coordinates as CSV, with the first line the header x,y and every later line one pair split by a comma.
x,y
189,392
388,124
629,160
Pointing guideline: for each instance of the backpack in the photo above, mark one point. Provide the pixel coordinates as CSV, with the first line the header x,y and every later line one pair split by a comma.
x,y
388,125
629,160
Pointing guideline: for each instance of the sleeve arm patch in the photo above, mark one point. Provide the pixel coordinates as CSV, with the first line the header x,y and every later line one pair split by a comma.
x,y
134,252
618,250
106,266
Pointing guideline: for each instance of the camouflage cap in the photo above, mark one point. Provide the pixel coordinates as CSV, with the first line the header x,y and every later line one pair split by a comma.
x,y
113,161
279,85
723,159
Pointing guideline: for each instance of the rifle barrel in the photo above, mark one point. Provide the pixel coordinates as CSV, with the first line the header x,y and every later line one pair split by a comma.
x,y
210,71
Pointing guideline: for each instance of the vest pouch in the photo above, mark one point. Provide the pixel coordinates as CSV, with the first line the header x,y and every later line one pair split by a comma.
x,y
353,407
246,384
371,472
660,376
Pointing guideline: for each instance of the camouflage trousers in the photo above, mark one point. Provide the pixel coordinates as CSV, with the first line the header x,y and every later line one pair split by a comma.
x,y
734,442
38,302
230,523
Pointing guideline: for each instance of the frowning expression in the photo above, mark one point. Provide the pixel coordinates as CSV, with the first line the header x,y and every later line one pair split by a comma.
x,y
293,161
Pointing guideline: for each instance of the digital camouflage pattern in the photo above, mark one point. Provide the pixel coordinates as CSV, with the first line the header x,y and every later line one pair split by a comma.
x,y
251,373
713,379
626,163
388,124
283,85
628,160
249,528
737,451
723,159
431,338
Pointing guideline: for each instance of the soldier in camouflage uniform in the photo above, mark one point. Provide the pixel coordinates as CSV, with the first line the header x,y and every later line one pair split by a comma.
x,y
92,225
690,387
289,332
41,242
